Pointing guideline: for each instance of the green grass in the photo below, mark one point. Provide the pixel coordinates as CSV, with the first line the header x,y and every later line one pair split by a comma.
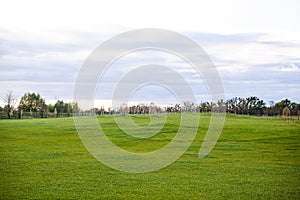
x,y
255,158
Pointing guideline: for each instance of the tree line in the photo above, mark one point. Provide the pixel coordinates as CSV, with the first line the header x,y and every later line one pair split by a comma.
x,y
33,105
254,106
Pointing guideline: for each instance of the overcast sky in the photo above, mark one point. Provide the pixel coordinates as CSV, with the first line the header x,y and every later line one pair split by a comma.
x,y
255,45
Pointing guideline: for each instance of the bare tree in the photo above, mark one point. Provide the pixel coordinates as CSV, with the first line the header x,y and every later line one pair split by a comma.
x,y
10,101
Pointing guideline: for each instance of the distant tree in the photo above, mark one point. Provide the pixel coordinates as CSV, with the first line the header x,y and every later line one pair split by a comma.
x,y
59,106
177,108
50,108
32,102
10,100
242,106
294,107
251,105
254,105
232,105
220,106
283,103
62,107
73,106
188,106
204,107
69,109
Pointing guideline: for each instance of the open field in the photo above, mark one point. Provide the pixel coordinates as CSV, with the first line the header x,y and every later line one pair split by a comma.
x,y
255,158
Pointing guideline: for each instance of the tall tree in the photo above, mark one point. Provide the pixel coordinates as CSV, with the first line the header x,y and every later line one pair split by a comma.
x,y
73,107
32,102
254,105
61,107
283,103
232,105
50,108
10,101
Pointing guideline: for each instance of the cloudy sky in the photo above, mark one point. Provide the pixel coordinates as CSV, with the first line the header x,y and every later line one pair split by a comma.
x,y
255,45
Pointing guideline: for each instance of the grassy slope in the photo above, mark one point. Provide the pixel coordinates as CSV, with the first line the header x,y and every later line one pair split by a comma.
x,y
254,158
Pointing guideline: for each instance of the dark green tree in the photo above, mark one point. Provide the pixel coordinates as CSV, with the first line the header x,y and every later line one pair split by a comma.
x,y
32,102
283,103
50,108
61,107
254,105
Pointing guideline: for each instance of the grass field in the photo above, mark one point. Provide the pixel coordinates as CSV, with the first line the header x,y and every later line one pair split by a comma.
x,y
255,158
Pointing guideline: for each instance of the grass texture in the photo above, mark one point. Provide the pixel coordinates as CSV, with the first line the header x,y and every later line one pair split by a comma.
x,y
255,158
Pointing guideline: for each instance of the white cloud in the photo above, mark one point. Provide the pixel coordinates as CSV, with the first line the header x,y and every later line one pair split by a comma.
x,y
292,67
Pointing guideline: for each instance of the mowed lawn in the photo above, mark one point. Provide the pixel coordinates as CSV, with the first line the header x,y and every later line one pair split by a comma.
x,y
255,158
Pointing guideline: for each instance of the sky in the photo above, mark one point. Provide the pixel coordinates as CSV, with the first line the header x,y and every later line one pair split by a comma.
x,y
255,45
